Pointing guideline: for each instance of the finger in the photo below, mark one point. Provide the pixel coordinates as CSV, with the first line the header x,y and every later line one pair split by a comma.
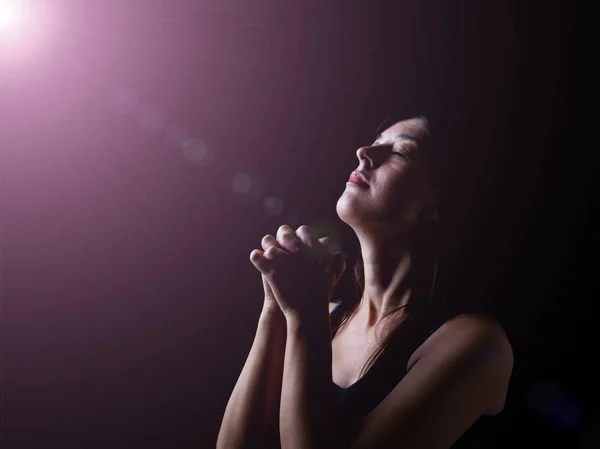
x,y
288,239
309,237
259,261
330,243
263,260
272,252
268,241
325,241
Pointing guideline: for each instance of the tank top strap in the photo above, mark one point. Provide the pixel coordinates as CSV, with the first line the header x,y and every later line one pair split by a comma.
x,y
334,308
336,316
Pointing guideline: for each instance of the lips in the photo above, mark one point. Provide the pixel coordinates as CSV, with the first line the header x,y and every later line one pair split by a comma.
x,y
357,178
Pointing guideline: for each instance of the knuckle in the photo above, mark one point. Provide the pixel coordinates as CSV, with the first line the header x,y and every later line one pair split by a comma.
x,y
271,251
287,237
267,238
254,255
283,228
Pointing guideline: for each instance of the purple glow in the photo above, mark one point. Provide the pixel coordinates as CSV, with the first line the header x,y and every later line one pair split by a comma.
x,y
152,119
175,137
124,99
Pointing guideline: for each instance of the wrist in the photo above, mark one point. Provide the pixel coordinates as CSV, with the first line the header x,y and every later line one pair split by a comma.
x,y
272,315
302,323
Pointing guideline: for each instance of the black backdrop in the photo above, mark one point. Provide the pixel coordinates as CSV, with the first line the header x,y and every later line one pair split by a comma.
x,y
128,300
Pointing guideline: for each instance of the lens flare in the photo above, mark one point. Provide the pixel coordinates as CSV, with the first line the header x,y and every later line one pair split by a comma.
x,y
12,17
26,28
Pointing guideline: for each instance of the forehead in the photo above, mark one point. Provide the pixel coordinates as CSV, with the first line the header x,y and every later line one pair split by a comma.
x,y
414,127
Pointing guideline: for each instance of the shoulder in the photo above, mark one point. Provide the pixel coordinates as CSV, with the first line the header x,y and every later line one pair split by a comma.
x,y
458,374
475,340
466,330
475,330
472,327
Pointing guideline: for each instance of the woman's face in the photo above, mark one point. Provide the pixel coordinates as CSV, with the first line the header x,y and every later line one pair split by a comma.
x,y
397,171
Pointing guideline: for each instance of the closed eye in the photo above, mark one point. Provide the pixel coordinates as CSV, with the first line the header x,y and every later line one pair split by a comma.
x,y
402,154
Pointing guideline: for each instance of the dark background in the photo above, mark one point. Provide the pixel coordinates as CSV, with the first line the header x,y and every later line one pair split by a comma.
x,y
129,303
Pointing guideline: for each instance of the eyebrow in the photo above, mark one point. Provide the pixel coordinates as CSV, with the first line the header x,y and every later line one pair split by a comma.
x,y
399,136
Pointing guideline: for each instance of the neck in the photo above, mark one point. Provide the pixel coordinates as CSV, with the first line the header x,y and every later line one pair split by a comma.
x,y
395,275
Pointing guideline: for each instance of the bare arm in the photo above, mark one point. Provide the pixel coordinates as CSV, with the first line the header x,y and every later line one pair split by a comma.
x,y
306,417
252,413
463,375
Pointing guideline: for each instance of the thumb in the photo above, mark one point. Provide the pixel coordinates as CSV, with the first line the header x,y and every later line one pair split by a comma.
x,y
329,243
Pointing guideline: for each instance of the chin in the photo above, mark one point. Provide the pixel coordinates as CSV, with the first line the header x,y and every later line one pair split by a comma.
x,y
342,207
346,210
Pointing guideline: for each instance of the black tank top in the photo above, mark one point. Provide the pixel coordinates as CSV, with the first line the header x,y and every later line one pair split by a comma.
x,y
352,404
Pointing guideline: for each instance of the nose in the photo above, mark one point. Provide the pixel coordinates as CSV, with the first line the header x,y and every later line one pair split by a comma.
x,y
372,153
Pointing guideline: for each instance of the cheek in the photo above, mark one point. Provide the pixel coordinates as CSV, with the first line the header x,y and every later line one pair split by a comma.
x,y
405,198
401,189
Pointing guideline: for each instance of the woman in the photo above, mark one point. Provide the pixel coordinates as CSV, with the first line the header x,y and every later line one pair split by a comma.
x,y
392,369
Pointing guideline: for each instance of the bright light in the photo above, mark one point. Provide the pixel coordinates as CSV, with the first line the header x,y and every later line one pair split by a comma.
x,y
11,16
26,29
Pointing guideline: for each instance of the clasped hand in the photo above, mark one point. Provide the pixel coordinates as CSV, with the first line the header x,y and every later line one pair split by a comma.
x,y
301,269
